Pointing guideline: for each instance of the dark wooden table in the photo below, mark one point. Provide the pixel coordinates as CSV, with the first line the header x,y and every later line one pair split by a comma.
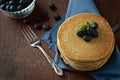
x,y
19,61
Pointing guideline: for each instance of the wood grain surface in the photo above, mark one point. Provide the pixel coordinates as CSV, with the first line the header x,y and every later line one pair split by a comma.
x,y
19,61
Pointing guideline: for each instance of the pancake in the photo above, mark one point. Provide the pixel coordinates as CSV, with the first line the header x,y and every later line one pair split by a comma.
x,y
77,52
86,66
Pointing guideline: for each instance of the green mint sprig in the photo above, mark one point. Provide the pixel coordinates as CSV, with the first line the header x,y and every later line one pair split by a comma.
x,y
85,27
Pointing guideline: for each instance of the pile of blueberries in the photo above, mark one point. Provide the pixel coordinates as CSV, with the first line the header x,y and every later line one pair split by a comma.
x,y
17,5
14,5
43,16
88,31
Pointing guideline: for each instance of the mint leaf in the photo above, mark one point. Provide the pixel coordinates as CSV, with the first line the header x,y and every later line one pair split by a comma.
x,y
92,25
85,27
88,23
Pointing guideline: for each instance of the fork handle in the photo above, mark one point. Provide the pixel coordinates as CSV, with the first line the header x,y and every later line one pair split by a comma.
x,y
56,68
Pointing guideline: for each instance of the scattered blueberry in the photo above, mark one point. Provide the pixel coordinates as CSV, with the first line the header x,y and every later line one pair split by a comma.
x,y
26,21
87,38
52,6
37,25
57,17
46,27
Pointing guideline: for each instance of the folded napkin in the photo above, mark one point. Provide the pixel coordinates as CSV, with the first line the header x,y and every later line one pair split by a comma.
x,y
111,70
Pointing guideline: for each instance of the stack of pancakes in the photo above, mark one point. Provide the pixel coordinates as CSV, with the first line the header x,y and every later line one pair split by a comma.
x,y
82,55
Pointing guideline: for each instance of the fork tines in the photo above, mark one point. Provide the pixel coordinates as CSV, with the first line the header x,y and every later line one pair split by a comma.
x,y
28,33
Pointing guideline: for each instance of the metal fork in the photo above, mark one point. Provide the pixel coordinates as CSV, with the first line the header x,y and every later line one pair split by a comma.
x,y
34,41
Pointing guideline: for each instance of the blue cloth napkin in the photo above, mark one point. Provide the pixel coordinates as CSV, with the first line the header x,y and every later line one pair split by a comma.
x,y
111,70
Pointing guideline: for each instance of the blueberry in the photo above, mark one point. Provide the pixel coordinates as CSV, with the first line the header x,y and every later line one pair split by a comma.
x,y
52,6
2,1
57,17
3,6
94,25
19,7
46,27
37,25
95,35
22,1
29,2
12,8
7,7
44,15
7,3
25,3
11,2
26,21
87,38
80,33
16,3
91,31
